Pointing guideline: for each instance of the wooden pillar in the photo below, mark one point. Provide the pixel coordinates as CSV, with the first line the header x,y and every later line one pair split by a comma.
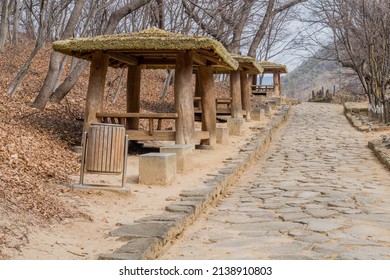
x,y
209,108
245,81
95,92
198,90
184,100
254,80
276,84
235,90
133,98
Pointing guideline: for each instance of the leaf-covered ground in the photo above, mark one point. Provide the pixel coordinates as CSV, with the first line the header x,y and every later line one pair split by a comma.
x,y
36,155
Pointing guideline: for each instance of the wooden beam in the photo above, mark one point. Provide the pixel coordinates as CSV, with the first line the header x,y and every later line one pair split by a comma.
x,y
184,100
199,59
95,92
133,99
129,60
165,61
209,110
235,90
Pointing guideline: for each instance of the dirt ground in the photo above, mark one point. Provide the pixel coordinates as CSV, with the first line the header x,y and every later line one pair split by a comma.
x,y
87,236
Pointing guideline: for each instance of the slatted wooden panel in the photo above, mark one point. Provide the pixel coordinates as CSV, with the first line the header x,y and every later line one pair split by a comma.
x,y
105,148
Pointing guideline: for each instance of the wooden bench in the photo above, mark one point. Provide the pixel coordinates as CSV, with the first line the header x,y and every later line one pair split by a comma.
x,y
262,89
225,109
151,134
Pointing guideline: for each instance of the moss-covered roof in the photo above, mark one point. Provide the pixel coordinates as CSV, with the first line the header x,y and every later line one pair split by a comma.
x,y
270,67
155,44
248,64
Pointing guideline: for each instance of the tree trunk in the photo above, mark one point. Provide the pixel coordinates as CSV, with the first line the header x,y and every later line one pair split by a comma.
x,y
12,88
4,25
69,82
184,101
55,60
117,15
166,84
50,80
74,75
262,29
15,28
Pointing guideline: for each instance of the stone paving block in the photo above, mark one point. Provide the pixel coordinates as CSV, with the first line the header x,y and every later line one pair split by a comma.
x,y
236,126
140,245
128,232
222,134
184,156
258,114
122,256
157,168
321,213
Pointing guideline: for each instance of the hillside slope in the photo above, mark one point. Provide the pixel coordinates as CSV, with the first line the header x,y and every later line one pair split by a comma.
x,y
314,74
36,147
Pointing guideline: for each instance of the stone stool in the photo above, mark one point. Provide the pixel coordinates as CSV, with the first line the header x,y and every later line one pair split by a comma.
x,y
236,126
258,114
183,156
157,168
222,134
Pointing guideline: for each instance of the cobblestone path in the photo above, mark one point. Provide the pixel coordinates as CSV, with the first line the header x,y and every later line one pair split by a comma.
x,y
317,193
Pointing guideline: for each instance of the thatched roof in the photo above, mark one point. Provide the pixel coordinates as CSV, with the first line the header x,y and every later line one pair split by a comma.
x,y
248,64
153,48
245,63
270,67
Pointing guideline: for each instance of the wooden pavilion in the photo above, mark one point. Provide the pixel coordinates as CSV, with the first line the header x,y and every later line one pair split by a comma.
x,y
153,49
238,103
270,90
240,85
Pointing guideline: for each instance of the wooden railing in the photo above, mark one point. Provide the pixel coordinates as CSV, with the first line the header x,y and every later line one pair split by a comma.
x,y
262,89
151,133
223,105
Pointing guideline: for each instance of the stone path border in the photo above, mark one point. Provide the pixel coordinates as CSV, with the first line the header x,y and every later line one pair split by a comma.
x,y
351,109
147,237
378,147
380,151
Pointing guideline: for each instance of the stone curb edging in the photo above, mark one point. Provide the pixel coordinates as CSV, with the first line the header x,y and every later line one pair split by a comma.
x,y
147,237
380,151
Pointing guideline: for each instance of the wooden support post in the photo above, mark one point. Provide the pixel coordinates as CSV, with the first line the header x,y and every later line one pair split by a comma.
x,y
95,93
198,92
184,99
277,84
235,90
245,81
209,108
133,98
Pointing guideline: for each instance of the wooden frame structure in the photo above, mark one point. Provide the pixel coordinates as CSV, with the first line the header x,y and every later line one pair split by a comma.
x,y
153,49
240,87
248,67
276,89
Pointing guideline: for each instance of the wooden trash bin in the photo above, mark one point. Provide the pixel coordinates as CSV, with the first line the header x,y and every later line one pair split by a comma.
x,y
105,150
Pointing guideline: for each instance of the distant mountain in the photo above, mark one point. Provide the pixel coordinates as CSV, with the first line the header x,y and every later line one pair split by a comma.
x,y
313,75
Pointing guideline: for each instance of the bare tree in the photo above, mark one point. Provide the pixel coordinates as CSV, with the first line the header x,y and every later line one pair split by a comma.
x,y
4,24
56,58
45,14
113,21
361,40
